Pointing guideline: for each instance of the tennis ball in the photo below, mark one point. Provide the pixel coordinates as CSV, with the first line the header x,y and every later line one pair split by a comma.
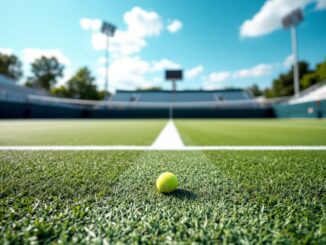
x,y
166,182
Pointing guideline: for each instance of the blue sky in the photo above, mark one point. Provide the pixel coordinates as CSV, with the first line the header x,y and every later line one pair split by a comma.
x,y
218,43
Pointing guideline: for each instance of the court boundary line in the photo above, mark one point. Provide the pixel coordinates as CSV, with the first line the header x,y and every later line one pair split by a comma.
x,y
151,148
169,137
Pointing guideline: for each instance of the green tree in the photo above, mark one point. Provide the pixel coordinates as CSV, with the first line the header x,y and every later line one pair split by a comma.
x,y
321,71
309,80
10,66
81,86
254,89
46,72
283,85
155,88
268,92
319,75
61,91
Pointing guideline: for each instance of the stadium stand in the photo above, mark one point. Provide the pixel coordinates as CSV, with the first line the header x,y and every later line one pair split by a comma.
x,y
123,96
314,93
310,104
17,101
11,91
182,96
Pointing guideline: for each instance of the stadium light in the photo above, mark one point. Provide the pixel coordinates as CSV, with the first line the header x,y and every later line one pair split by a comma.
x,y
291,21
108,30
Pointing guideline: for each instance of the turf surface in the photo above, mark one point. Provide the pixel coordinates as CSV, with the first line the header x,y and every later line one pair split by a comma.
x,y
253,132
229,197
79,132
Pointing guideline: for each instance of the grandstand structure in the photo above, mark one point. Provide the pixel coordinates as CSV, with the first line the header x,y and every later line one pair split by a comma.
x,y
182,96
310,103
316,92
17,101
10,91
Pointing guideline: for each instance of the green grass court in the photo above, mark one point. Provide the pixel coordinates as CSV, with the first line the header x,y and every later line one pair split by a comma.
x,y
240,197
144,132
252,132
79,132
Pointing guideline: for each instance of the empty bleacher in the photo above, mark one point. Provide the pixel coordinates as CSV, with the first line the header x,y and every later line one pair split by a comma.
x,y
11,91
17,101
194,96
154,96
181,96
123,96
316,92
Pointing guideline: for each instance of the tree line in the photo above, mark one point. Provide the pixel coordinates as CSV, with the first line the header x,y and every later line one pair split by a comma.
x,y
283,84
45,74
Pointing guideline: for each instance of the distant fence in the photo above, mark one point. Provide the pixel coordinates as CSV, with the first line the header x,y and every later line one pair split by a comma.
x,y
314,109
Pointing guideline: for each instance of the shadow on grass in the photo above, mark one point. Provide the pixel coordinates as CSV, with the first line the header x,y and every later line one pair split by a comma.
x,y
183,194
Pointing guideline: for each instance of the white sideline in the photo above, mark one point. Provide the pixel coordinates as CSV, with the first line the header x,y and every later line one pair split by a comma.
x,y
150,148
169,138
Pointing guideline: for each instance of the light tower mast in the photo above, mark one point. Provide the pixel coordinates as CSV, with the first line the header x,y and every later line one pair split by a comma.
x,y
291,21
108,30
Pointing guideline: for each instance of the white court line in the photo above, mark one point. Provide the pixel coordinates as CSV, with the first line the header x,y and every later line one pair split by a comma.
x,y
169,138
150,148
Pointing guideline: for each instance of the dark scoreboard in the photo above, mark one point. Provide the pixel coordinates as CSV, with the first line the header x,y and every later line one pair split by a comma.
x,y
173,75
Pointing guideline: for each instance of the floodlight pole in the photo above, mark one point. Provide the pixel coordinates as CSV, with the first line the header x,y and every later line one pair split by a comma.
x,y
171,112
108,30
290,21
107,66
174,86
295,60
174,89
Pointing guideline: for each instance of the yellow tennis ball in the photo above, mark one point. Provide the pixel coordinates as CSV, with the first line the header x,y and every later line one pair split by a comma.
x,y
166,182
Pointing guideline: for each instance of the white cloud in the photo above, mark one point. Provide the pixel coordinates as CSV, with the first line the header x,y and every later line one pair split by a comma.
x,y
129,73
90,24
98,41
321,4
218,76
288,62
133,72
123,43
256,71
101,60
31,54
269,17
126,43
143,23
214,78
164,64
140,24
194,72
6,51
174,26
